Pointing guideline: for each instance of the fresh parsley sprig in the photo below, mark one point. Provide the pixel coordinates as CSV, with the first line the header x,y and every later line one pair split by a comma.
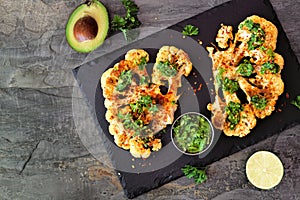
x,y
193,172
296,102
190,30
129,21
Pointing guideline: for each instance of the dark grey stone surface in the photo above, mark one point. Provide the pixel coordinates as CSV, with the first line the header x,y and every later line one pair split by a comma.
x,y
41,153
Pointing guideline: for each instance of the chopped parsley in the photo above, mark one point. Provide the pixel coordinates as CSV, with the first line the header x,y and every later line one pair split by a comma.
x,y
167,69
262,48
129,21
257,37
245,68
143,63
153,108
248,23
233,113
230,86
190,30
124,80
296,102
269,66
270,53
144,80
136,125
145,102
193,172
192,133
219,76
259,102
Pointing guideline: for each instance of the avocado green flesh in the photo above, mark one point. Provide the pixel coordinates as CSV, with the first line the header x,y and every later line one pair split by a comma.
x,y
82,36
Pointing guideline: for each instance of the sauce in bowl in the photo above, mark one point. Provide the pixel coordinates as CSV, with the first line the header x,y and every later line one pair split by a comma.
x,y
192,133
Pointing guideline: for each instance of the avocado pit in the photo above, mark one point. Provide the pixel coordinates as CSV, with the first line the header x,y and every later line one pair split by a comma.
x,y
86,28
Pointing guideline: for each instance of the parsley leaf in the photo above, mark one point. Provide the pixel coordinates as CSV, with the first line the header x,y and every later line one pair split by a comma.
x,y
270,53
270,66
245,68
219,76
166,69
129,21
229,85
193,172
190,30
259,102
153,108
145,102
124,80
136,125
257,34
143,63
296,102
144,80
233,110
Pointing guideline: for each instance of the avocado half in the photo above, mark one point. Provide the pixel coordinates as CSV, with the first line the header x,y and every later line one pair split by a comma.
x,y
87,26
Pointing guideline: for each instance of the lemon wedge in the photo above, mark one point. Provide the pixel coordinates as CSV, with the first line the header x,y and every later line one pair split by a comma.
x,y
264,170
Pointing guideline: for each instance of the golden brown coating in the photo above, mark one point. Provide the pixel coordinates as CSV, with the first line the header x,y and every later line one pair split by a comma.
x,y
175,58
249,64
247,122
136,108
224,36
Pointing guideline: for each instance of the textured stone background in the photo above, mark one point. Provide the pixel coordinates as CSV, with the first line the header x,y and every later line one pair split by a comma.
x,y
41,155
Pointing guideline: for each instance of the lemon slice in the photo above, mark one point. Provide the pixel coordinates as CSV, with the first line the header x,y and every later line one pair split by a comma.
x,y
264,170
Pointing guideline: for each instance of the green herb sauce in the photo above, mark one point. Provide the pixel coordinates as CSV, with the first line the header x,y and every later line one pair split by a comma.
x,y
142,63
259,102
233,113
167,69
271,67
257,34
192,133
230,86
245,68
124,80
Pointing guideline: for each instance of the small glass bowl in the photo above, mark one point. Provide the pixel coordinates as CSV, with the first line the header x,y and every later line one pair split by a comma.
x,y
182,137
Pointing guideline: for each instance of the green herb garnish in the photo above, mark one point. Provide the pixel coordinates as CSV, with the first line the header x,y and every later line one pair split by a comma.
x,y
248,23
144,80
129,21
124,80
257,34
142,64
262,48
167,69
296,102
245,68
145,102
219,76
233,113
270,66
190,30
259,102
270,53
153,108
192,133
136,125
230,86
193,172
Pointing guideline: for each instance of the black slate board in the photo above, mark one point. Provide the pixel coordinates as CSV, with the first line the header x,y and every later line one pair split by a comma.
x,y
136,181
